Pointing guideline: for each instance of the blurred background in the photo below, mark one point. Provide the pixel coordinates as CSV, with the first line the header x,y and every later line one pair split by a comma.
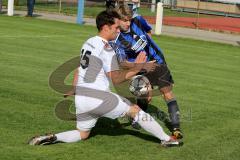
x,y
214,15
147,7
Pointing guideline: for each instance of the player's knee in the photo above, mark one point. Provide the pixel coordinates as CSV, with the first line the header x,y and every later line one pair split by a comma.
x,y
167,93
149,98
134,109
84,134
168,96
84,138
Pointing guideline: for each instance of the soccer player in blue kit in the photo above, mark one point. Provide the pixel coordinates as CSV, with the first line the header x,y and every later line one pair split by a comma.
x,y
133,39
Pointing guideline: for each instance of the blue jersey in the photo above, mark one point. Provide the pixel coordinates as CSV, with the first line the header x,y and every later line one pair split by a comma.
x,y
144,24
129,44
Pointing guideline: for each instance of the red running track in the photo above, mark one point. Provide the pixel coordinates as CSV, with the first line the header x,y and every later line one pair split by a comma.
x,y
219,24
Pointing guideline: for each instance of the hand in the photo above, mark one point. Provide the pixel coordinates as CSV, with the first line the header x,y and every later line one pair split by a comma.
x,y
141,58
141,62
69,93
150,66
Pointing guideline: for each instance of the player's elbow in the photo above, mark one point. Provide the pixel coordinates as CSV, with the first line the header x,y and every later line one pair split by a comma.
x,y
115,77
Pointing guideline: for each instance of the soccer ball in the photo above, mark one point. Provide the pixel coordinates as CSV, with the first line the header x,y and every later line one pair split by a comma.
x,y
139,86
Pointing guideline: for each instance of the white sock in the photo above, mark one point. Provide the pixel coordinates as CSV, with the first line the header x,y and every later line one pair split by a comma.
x,y
69,136
148,123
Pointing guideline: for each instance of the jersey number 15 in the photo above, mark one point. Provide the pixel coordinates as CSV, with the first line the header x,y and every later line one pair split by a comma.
x,y
85,58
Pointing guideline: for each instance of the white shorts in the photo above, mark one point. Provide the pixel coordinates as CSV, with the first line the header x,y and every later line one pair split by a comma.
x,y
89,109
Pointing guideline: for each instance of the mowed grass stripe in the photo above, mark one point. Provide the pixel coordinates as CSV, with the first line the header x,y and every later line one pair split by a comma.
x,y
206,80
193,45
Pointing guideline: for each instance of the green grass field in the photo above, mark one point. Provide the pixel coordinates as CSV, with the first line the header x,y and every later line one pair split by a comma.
x,y
207,82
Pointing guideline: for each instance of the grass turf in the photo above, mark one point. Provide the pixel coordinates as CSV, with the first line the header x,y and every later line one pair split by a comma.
x,y
206,84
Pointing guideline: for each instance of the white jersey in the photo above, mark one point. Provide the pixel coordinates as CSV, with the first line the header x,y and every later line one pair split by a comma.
x,y
97,58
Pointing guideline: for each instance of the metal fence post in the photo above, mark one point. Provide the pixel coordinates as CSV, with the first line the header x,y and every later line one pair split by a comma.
x,y
159,18
153,5
10,7
80,11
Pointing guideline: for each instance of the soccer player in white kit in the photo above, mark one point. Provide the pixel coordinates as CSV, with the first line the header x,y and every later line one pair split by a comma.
x,y
93,99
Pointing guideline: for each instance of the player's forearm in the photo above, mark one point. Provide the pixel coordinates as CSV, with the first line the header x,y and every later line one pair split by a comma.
x,y
128,74
127,65
74,83
123,75
139,61
75,78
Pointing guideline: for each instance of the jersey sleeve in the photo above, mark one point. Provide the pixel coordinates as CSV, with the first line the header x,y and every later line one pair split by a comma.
x,y
146,26
119,50
109,58
121,55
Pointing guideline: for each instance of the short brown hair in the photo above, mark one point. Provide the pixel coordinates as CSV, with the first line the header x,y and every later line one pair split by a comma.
x,y
124,11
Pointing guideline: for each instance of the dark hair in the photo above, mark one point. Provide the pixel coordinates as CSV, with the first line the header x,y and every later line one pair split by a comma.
x,y
110,4
106,18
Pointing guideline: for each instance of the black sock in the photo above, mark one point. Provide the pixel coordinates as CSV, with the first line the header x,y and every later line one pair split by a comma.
x,y
142,103
174,114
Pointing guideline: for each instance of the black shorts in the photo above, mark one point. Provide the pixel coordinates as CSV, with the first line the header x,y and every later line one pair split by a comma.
x,y
161,76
